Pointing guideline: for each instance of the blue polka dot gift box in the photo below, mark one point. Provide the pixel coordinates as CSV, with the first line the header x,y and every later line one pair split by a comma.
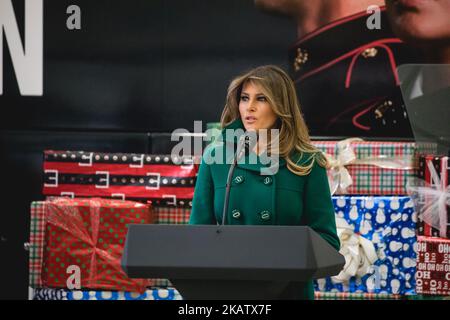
x,y
378,240
64,294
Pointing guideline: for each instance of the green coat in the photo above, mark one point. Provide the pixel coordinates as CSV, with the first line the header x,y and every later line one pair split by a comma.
x,y
280,199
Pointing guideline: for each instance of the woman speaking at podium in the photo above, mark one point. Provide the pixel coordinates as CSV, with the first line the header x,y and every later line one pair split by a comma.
x,y
297,193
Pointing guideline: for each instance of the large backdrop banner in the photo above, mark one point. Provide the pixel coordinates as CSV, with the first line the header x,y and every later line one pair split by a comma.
x,y
117,77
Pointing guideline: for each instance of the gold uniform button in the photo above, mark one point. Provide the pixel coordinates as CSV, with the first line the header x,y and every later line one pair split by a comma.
x,y
369,53
300,59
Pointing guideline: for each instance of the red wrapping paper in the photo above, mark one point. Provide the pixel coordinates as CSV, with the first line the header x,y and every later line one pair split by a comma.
x,y
90,235
433,266
161,179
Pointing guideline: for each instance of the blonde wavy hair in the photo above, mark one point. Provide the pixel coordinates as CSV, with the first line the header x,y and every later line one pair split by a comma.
x,y
280,92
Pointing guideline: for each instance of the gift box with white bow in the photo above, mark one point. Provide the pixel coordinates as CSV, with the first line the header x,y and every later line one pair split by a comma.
x,y
377,235
369,167
431,195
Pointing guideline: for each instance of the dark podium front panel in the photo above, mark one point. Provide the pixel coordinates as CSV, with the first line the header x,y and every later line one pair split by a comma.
x,y
228,262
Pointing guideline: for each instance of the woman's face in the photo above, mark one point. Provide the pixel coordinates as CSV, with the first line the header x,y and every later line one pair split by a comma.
x,y
420,21
256,112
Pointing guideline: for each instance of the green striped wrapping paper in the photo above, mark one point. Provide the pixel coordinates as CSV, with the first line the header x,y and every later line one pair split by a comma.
x,y
36,241
370,179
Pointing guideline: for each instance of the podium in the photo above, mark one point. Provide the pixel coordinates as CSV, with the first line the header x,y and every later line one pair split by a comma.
x,y
228,262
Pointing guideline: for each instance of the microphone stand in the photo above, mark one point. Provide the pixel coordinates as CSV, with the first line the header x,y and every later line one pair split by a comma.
x,y
245,143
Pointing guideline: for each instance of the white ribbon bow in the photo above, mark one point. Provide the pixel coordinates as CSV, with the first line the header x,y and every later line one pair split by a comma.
x,y
431,200
340,178
359,253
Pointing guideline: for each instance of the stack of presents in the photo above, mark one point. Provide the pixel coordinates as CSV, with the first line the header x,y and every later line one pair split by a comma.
x,y
77,234
390,200
391,203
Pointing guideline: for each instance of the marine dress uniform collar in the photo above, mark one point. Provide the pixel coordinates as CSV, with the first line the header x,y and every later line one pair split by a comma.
x,y
326,45
232,140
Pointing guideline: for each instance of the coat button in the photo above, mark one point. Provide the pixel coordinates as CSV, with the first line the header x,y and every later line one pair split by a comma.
x,y
267,181
239,179
265,215
236,214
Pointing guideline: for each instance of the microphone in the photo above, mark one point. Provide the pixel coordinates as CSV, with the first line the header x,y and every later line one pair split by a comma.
x,y
246,143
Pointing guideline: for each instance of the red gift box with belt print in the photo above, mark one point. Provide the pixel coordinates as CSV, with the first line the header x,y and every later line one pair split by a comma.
x,y
161,179
84,241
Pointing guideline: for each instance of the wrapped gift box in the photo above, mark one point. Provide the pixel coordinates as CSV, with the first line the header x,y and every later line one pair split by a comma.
x,y
172,215
87,236
63,294
165,215
377,236
354,296
161,179
433,266
161,283
375,167
426,202
36,243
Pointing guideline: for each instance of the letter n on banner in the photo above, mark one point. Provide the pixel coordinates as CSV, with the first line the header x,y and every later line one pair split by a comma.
x,y
27,57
